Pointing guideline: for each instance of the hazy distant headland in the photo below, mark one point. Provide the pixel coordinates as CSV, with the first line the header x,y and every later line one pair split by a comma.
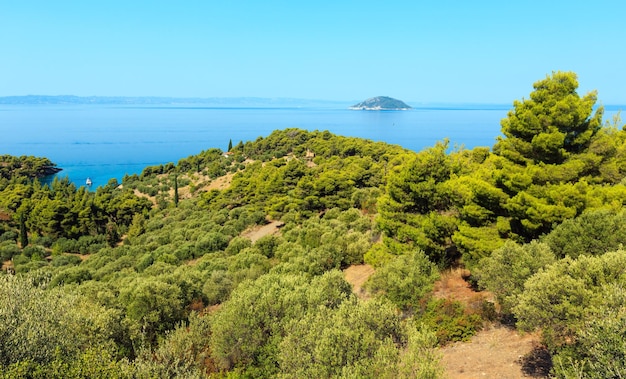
x,y
252,102
223,102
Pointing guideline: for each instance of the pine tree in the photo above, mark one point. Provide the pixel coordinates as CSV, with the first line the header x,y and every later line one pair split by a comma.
x,y
230,144
550,126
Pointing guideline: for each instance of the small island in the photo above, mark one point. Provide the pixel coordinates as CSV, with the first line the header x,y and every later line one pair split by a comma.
x,y
381,103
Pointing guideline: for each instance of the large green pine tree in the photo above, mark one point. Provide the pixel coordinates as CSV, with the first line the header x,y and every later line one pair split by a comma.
x,y
554,123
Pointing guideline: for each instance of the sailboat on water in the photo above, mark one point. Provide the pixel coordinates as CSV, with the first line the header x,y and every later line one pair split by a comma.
x,y
88,182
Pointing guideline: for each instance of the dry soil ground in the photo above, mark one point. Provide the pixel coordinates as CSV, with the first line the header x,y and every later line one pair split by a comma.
x,y
497,351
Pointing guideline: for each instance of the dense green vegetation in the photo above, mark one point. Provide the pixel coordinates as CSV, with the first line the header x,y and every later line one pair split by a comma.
x,y
163,275
30,167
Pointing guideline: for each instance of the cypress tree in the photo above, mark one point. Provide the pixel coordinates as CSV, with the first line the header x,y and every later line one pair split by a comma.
x,y
23,233
230,144
176,191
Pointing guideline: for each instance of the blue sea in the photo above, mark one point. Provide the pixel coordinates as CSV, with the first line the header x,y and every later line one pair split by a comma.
x,y
104,141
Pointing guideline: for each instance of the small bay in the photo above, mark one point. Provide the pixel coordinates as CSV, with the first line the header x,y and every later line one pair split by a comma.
x,y
103,141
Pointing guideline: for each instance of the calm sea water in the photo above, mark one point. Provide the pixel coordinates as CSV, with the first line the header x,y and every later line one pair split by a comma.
x,y
104,142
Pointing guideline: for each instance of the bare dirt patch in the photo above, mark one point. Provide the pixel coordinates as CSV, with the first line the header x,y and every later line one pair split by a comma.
x,y
255,233
494,352
497,351
4,216
141,194
357,275
6,265
221,183
453,285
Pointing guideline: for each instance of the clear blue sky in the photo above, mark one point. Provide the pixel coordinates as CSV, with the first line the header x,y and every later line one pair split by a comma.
x,y
417,51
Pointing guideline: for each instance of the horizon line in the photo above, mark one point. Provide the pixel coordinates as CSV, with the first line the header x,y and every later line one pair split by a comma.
x,y
419,104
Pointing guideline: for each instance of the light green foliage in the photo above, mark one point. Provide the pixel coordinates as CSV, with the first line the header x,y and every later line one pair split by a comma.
x,y
420,359
39,325
247,329
152,307
405,280
337,240
599,347
507,269
560,299
352,338
554,123
90,363
183,353
378,255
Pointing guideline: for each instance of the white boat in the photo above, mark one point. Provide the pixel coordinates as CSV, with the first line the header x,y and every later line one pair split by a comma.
x,y
88,182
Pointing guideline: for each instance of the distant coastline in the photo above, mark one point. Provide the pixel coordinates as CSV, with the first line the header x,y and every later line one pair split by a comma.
x,y
235,102
168,101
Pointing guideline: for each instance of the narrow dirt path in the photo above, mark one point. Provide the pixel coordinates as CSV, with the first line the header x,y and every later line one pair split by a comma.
x,y
257,232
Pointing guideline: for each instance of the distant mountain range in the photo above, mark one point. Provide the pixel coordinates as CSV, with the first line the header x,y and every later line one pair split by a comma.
x,y
381,103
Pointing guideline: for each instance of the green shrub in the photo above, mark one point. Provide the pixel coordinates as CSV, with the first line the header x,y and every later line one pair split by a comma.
x,y
507,269
10,235
34,252
449,319
65,260
8,249
405,280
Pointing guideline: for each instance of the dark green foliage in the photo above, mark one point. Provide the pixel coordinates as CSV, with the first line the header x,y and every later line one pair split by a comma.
x,y
23,232
415,209
592,233
176,191
183,353
34,252
8,249
26,166
9,235
449,320
210,243
65,260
